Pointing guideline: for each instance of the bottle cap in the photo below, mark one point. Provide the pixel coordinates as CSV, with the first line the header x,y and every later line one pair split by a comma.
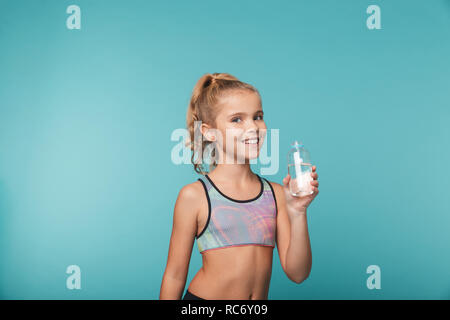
x,y
297,144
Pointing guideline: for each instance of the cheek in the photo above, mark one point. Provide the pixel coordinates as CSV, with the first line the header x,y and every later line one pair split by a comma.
x,y
262,134
220,135
223,136
231,140
263,127
231,134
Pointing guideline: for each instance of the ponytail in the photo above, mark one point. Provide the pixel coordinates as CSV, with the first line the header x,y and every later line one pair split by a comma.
x,y
203,109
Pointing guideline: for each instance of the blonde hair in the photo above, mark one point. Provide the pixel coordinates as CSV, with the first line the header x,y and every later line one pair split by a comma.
x,y
203,107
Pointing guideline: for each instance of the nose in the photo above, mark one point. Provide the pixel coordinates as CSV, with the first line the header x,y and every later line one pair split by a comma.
x,y
252,125
252,128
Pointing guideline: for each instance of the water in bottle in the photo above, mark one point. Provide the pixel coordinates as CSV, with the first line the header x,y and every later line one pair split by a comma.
x,y
300,169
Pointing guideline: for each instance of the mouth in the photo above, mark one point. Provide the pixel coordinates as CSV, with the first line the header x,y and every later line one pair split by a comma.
x,y
251,141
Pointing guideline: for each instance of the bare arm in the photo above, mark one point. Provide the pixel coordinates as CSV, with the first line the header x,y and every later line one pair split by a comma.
x,y
292,241
298,255
292,231
182,239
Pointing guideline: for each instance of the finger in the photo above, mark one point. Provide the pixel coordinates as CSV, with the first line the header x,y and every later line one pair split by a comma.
x,y
315,183
314,175
313,168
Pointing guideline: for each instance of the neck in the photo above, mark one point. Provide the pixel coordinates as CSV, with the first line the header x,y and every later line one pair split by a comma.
x,y
240,173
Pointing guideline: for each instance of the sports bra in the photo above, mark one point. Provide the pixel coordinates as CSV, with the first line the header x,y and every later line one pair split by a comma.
x,y
234,222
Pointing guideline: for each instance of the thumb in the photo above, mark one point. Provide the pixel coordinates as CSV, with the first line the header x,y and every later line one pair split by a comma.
x,y
286,180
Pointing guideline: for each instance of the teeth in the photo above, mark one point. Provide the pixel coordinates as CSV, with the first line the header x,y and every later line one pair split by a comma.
x,y
251,141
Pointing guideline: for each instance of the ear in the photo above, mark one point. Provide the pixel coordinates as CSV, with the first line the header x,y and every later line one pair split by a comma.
x,y
207,132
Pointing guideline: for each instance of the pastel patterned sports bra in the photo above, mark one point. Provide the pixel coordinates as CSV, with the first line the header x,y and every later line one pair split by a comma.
x,y
234,222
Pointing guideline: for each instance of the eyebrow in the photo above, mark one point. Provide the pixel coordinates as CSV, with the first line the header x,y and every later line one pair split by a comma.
x,y
243,113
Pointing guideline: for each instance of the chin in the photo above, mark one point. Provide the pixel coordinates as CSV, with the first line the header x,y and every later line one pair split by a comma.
x,y
252,155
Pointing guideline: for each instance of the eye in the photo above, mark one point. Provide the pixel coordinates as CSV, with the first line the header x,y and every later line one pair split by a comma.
x,y
260,116
235,119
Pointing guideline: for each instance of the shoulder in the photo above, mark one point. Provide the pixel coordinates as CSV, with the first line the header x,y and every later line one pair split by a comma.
x,y
190,192
189,200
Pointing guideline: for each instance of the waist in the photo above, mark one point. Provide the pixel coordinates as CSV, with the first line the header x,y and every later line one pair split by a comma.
x,y
234,273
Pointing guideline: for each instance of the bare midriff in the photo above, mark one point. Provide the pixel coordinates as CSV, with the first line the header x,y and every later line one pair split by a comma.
x,y
234,273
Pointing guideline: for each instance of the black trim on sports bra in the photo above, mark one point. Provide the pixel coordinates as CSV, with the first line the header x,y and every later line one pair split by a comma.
x,y
235,200
209,208
274,198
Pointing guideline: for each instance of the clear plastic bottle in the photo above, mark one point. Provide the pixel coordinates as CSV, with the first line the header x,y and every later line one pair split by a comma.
x,y
299,168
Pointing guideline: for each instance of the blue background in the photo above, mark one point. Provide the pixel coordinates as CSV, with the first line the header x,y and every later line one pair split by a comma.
x,y
86,115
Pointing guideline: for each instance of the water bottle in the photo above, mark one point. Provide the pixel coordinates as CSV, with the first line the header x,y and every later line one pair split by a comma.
x,y
300,169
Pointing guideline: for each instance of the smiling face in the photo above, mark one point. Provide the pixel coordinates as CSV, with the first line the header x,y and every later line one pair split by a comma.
x,y
240,127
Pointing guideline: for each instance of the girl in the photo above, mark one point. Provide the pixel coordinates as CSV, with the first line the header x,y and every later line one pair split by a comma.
x,y
235,215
